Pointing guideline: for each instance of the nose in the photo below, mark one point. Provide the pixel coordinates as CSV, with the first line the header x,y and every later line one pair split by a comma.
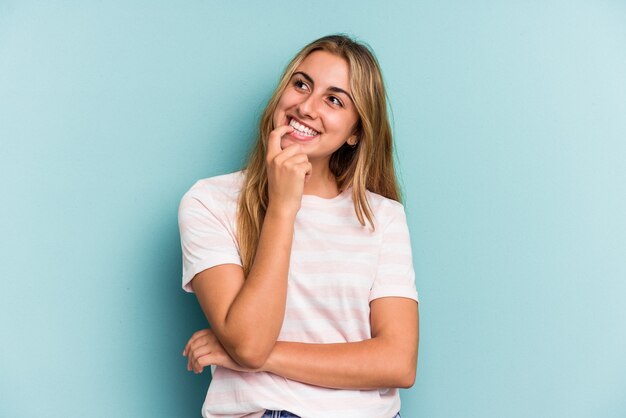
x,y
307,108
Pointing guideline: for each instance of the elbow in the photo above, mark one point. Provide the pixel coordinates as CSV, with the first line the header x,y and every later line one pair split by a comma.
x,y
251,357
249,351
407,379
405,371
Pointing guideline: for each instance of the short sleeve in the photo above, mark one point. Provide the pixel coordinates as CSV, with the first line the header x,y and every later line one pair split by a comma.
x,y
395,275
206,234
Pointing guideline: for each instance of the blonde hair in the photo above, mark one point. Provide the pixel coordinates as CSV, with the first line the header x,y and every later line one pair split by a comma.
x,y
368,166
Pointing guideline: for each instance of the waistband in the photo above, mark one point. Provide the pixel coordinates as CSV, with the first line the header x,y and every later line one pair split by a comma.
x,y
286,414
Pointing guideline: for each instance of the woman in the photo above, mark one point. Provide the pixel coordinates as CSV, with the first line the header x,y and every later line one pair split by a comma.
x,y
302,262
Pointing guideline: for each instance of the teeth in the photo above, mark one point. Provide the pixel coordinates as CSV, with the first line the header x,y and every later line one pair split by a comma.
x,y
303,130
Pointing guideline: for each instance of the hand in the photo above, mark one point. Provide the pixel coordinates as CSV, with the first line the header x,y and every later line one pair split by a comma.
x,y
287,171
204,349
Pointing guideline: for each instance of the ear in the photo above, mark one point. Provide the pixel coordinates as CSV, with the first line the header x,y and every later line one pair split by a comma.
x,y
352,141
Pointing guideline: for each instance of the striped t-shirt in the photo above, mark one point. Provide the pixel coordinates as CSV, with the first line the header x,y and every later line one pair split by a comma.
x,y
337,268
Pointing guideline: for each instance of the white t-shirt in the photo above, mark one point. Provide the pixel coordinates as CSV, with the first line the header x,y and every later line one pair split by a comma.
x,y
337,267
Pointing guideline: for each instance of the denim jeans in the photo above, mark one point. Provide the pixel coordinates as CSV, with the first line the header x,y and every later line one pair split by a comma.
x,y
278,414
287,414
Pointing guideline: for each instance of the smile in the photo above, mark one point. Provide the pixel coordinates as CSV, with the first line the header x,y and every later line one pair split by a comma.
x,y
302,129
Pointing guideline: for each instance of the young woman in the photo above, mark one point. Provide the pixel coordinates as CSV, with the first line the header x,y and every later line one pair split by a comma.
x,y
302,261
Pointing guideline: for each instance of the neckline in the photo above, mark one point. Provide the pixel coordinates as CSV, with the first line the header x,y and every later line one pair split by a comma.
x,y
314,200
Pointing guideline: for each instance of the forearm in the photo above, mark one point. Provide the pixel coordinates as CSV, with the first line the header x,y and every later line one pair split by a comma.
x,y
368,364
256,315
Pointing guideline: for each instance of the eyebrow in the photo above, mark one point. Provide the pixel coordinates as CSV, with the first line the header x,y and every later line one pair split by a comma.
x,y
332,88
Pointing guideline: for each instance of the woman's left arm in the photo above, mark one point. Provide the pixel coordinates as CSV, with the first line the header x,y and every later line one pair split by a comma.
x,y
387,360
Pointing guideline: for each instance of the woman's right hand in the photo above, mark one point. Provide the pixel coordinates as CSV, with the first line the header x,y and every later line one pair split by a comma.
x,y
204,349
287,171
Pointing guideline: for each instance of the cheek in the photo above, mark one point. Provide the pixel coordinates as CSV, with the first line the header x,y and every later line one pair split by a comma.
x,y
343,125
276,118
353,121
284,104
288,99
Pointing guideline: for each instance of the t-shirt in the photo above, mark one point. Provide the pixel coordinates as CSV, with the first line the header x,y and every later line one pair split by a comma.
x,y
337,267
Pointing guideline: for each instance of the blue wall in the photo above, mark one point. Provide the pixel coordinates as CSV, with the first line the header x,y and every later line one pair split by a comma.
x,y
510,128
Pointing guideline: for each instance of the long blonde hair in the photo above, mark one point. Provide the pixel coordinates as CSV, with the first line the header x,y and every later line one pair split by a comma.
x,y
368,166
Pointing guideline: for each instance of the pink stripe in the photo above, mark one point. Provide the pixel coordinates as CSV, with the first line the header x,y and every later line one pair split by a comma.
x,y
336,267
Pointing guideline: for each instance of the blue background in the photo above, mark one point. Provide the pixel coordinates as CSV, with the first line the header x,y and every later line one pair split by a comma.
x,y
509,125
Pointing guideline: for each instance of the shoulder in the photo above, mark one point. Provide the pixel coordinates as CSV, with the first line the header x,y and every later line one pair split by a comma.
x,y
385,210
223,188
218,195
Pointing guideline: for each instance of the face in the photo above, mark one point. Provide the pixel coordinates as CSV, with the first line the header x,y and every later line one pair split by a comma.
x,y
318,104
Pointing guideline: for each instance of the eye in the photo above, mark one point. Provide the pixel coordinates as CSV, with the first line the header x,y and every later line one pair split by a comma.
x,y
334,100
300,85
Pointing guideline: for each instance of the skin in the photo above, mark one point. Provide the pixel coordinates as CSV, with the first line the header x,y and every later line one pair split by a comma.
x,y
329,112
247,315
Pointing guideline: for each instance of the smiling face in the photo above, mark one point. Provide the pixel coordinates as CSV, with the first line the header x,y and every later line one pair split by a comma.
x,y
317,102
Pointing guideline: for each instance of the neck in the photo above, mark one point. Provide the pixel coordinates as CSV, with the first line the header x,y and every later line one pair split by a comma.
x,y
321,182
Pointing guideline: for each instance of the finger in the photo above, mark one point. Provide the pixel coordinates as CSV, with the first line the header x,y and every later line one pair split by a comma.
x,y
202,346
273,142
296,159
304,168
201,357
195,342
196,347
202,362
289,151
196,335
191,360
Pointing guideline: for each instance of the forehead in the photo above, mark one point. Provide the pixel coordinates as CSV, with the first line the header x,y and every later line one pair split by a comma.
x,y
326,69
